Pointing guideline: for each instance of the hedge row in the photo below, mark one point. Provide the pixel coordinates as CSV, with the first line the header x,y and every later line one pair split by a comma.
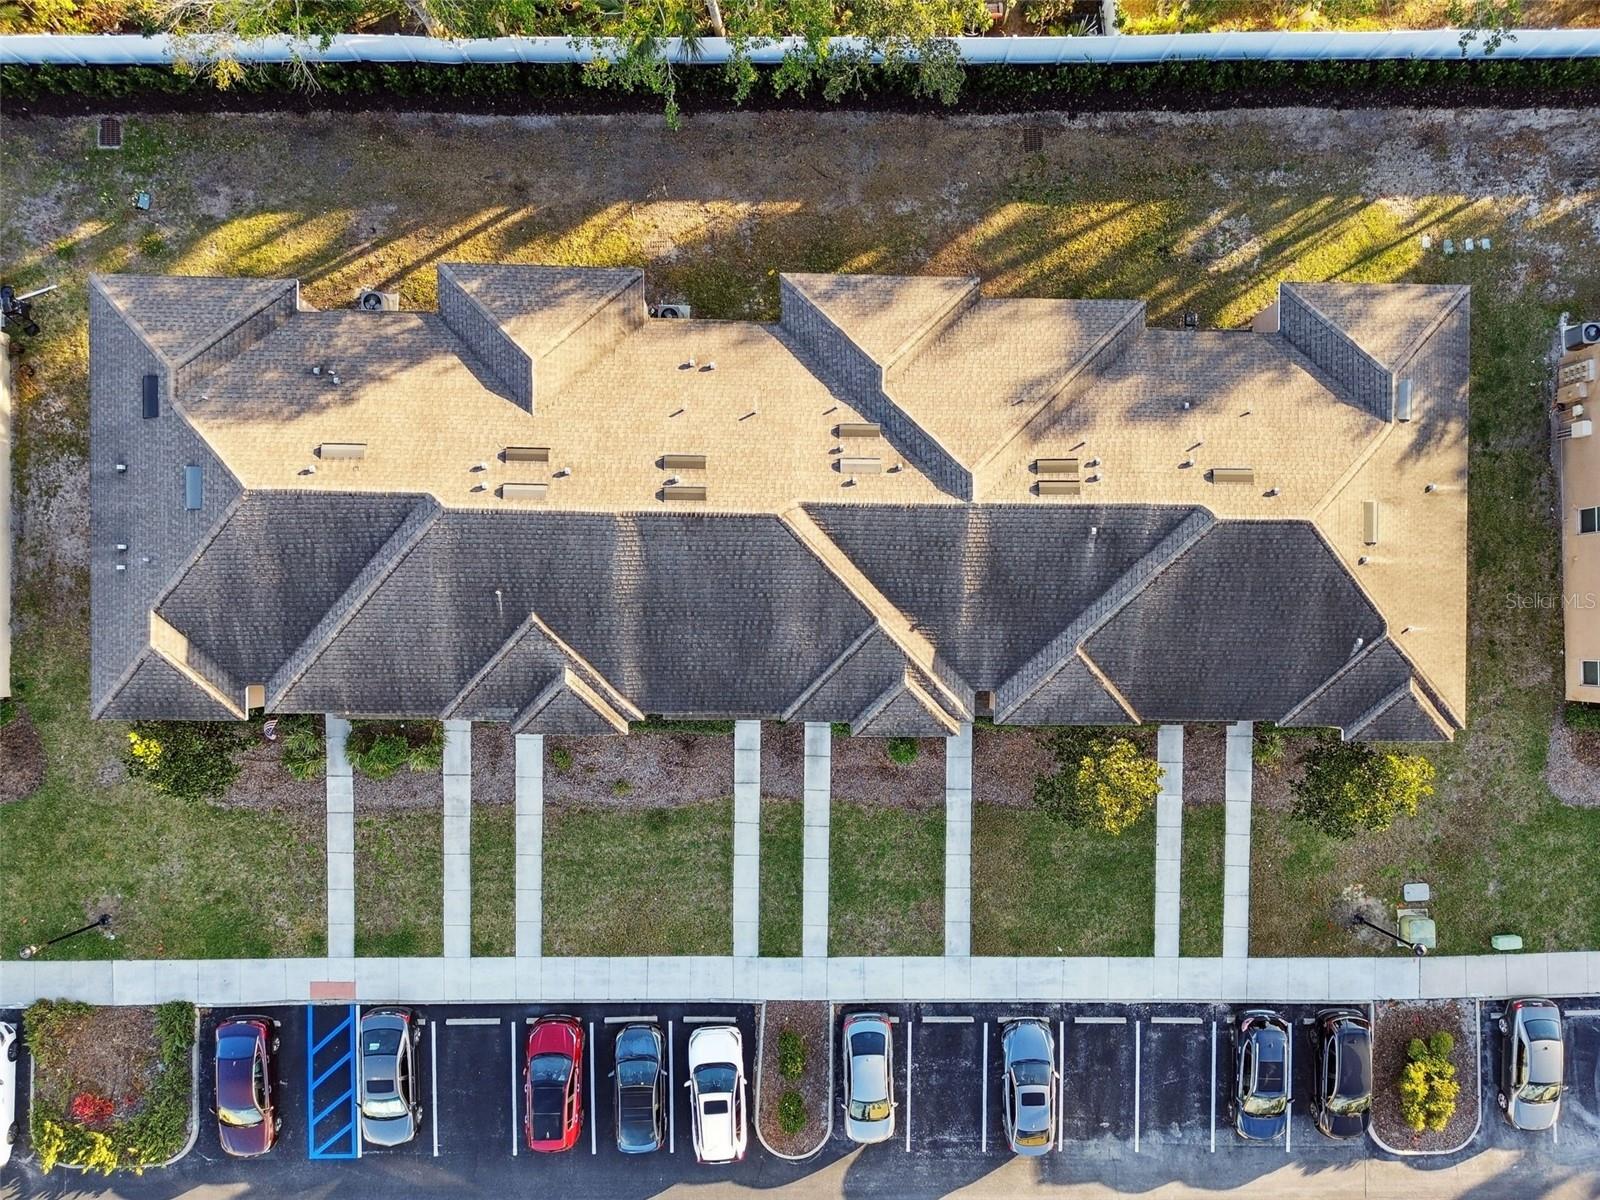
x,y
994,89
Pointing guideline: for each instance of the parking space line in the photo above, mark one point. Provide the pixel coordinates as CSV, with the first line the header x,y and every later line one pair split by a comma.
x,y
1213,1087
594,1145
672,1095
1175,1021
963,1019
711,1019
909,1028
1061,1083
1099,1020
515,1133
472,1020
1010,1017
983,1142
1136,1065
1583,1012
1288,1071
433,1080
626,1020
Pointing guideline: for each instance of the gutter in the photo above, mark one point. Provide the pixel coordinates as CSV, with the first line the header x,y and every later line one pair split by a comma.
x,y
121,50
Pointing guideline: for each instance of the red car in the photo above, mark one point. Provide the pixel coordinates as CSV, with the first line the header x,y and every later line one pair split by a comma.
x,y
552,1085
247,1119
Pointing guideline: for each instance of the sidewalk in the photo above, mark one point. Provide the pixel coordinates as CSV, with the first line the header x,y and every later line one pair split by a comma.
x,y
439,980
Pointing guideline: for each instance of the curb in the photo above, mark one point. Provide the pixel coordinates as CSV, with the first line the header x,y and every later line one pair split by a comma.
x,y
1477,1074
761,1043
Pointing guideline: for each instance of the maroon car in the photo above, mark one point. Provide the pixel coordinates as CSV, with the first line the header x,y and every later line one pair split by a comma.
x,y
247,1119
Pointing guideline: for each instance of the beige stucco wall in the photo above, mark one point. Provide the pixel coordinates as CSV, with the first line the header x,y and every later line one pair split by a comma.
x,y
1579,460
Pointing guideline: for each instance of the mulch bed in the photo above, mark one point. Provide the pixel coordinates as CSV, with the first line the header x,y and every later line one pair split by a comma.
x,y
263,782
21,758
1398,1022
109,1052
810,1019
1572,768
1205,763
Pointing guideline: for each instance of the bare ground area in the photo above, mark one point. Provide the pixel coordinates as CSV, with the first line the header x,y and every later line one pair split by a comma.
x,y
1398,1022
21,758
1573,766
809,1021
107,1052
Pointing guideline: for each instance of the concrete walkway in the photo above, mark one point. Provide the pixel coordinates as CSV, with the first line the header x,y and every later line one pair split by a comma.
x,y
531,980
1169,839
457,839
530,845
746,838
341,842
958,842
1236,841
818,803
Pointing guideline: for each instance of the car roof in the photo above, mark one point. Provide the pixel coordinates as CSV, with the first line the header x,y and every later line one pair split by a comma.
x,y
1544,1062
869,1076
1031,1118
1354,1057
234,1082
716,1133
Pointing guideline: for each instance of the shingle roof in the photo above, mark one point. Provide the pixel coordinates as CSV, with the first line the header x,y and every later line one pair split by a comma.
x,y
402,582
1387,320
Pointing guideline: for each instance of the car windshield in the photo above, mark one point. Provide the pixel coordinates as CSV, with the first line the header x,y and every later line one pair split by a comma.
x,y
1542,1029
242,1118
1344,1106
637,1072
1265,1106
715,1077
380,1041
1031,1073
869,1110
236,1047
1539,1093
549,1068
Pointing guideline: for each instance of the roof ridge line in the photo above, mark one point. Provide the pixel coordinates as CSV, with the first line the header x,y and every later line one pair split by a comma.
x,y
1345,668
122,681
617,698
914,342
233,325
1376,711
1332,324
489,664
379,567
1111,688
199,681
132,322
1462,291
832,669
915,646
570,681
1057,652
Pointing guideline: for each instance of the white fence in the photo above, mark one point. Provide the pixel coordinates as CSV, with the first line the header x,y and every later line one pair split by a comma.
x,y
135,50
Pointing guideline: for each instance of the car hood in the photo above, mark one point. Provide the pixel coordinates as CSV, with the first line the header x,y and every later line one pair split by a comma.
x,y
1262,1128
389,1132
1534,1116
245,1140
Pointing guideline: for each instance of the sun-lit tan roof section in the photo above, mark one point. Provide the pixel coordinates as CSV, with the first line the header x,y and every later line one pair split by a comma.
x,y
885,314
538,307
1177,406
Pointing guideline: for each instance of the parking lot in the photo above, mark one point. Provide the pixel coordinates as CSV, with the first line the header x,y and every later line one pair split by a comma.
x,y
1143,1087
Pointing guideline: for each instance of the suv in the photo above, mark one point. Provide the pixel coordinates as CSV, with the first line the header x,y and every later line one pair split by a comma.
x,y
1342,1039
1532,1063
716,1093
1262,1091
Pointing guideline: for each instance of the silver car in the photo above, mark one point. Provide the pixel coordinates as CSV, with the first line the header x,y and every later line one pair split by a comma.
x,y
1028,1051
869,1102
390,1111
1532,1063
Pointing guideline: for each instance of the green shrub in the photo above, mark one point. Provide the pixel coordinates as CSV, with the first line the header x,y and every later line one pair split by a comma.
x,y
1428,1087
305,752
47,1024
561,759
188,760
621,788
1350,788
1101,781
791,1113
903,750
1441,1044
380,748
1585,718
660,725
791,1054
1269,746
840,728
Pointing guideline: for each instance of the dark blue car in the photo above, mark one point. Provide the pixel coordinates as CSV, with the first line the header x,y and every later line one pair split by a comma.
x,y
640,1089
1266,1067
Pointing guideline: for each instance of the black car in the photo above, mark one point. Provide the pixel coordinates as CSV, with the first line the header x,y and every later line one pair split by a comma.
x,y
1262,1083
1342,1041
641,1089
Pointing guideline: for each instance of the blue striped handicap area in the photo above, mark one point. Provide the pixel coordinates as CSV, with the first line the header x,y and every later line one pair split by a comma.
x,y
333,1131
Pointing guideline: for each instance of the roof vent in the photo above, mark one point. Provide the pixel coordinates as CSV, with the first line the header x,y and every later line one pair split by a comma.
x,y
1369,522
342,450
857,429
1055,466
683,491
683,462
860,465
527,454
1402,401
1233,475
152,396
523,491
370,300
193,487
680,312
1058,487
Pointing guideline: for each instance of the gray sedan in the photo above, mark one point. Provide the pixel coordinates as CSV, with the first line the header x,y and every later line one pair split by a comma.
x,y
390,1111
1532,1064
869,1078
1028,1051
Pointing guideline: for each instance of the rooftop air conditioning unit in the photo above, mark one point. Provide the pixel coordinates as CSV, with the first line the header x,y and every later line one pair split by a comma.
x,y
369,300
680,311
1585,333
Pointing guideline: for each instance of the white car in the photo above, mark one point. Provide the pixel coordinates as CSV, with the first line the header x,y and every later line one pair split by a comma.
x,y
716,1093
8,1090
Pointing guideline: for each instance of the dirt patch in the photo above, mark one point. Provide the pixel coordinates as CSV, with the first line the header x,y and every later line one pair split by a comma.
x,y
106,1052
810,1021
264,783
21,758
1572,768
402,790
1205,763
1398,1022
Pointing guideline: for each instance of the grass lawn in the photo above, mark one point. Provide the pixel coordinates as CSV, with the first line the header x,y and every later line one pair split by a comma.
x,y
782,876
1039,887
886,891
638,880
1200,917
494,880
1200,213
399,882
